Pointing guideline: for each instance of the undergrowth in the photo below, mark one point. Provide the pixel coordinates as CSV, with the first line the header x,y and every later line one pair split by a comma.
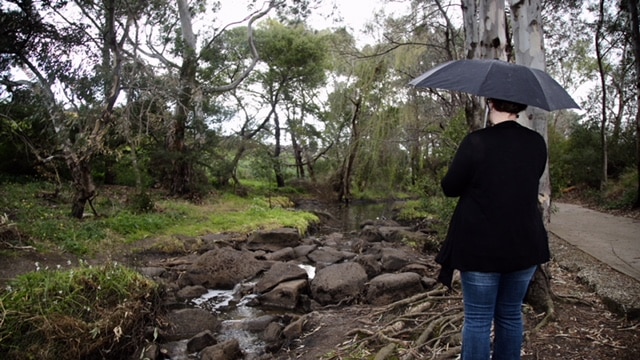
x,y
82,313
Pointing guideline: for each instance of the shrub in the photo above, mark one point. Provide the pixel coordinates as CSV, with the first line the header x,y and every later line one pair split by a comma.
x,y
83,313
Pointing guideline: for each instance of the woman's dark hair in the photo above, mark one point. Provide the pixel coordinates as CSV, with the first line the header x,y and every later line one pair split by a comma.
x,y
507,106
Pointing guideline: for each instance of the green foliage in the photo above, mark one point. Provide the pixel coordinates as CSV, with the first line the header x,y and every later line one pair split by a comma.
x,y
583,155
622,193
559,166
433,202
292,53
576,159
141,203
74,314
413,210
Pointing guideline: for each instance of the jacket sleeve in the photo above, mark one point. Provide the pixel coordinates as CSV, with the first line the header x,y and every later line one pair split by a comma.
x,y
461,170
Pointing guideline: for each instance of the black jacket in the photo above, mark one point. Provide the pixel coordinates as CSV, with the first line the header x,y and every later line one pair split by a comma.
x,y
497,224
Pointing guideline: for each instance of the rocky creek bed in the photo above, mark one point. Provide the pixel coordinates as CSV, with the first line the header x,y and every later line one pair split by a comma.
x,y
286,280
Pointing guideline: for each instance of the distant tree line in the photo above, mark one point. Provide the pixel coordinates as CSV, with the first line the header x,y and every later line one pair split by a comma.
x,y
168,94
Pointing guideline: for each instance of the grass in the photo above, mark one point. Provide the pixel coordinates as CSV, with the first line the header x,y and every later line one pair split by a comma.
x,y
75,314
44,222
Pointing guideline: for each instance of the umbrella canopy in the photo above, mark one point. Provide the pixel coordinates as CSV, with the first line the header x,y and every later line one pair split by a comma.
x,y
499,80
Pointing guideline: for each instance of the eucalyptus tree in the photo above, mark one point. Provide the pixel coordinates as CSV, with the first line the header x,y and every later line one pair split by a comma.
x,y
45,44
176,49
614,105
174,42
292,65
635,43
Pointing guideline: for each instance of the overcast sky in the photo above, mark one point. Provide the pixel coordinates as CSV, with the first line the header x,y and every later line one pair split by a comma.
x,y
353,14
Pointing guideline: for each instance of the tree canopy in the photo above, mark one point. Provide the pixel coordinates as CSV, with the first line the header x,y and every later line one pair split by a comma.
x,y
93,90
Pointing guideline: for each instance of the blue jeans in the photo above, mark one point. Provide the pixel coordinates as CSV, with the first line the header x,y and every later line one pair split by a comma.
x,y
497,298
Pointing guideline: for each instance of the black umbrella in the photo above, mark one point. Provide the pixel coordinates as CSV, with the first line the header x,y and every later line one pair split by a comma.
x,y
499,80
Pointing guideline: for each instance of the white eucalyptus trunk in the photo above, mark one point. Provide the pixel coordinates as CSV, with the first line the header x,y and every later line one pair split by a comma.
x,y
492,30
471,28
528,47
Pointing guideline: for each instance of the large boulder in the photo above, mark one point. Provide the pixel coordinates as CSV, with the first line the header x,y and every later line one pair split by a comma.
x,y
286,295
370,264
187,323
326,255
228,350
223,268
279,272
393,259
284,254
387,288
274,240
339,282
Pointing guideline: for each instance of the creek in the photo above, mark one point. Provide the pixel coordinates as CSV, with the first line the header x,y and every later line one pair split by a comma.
x,y
233,307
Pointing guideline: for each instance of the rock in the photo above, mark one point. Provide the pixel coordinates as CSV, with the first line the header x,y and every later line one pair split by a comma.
x,y
273,240
174,350
339,282
371,233
304,250
257,324
333,239
272,336
394,259
190,292
272,333
393,233
326,255
419,269
387,288
228,350
200,341
281,255
278,273
152,272
186,323
294,329
223,268
151,352
428,282
370,265
286,295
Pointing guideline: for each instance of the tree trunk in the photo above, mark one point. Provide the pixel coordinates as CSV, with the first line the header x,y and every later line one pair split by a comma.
x,y
277,166
603,121
485,38
529,50
471,29
83,184
635,41
182,168
297,155
344,181
492,28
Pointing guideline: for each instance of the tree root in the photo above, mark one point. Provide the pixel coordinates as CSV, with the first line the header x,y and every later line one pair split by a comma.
x,y
427,323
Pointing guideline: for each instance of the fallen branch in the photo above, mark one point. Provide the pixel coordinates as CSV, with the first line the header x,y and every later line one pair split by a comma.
x,y
11,246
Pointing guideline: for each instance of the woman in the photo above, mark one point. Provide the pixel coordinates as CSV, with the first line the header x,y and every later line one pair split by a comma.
x,y
496,236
